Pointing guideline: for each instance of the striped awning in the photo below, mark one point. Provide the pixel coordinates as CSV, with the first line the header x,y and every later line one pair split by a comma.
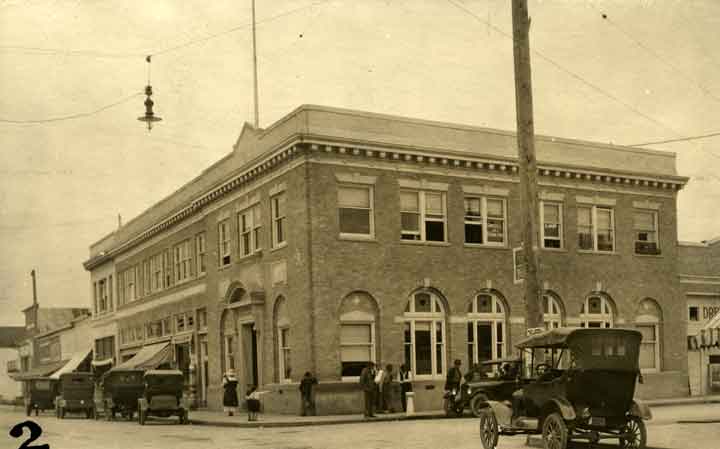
x,y
73,363
149,357
40,371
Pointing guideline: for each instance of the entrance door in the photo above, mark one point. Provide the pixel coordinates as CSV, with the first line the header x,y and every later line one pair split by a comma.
x,y
714,374
183,361
250,354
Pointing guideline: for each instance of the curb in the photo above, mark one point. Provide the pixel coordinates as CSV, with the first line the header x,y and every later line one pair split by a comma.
x,y
688,401
327,422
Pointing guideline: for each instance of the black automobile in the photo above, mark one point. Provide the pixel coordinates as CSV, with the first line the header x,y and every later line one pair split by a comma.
x,y
583,389
40,393
163,396
76,394
121,389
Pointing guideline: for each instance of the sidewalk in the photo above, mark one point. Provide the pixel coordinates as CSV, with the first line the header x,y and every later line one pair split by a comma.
x,y
711,399
216,418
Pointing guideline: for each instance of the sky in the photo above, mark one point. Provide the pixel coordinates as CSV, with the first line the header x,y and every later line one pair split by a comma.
x,y
647,71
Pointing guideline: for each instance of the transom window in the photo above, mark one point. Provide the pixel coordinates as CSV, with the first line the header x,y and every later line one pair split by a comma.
x,y
485,221
277,206
552,313
424,335
249,227
551,224
355,210
596,312
423,216
486,328
224,242
645,224
596,228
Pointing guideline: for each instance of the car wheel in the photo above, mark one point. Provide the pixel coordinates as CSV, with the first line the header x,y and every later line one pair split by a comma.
x,y
488,429
449,408
62,413
634,434
554,432
478,404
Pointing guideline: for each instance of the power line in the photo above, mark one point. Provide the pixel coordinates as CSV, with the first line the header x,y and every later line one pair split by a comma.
x,y
657,56
680,139
64,52
567,71
73,116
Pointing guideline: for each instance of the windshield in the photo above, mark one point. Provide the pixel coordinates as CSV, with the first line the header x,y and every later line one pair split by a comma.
x,y
42,385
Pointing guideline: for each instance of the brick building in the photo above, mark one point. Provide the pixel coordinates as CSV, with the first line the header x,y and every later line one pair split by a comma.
x,y
333,237
699,273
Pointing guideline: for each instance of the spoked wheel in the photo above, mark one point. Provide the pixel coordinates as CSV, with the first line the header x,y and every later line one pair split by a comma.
x,y
449,408
634,434
488,429
554,432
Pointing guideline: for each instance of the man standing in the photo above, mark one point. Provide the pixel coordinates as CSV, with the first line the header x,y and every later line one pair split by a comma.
x,y
367,382
307,395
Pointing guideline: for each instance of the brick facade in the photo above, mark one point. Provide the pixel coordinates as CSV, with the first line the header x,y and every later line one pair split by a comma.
x,y
318,276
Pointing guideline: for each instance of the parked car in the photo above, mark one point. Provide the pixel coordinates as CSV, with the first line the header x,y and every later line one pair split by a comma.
x,y
76,391
582,390
40,393
489,380
121,389
163,396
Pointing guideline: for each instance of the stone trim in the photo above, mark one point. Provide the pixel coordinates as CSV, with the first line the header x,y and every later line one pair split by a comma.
x,y
355,178
552,196
595,200
422,184
485,190
277,188
646,205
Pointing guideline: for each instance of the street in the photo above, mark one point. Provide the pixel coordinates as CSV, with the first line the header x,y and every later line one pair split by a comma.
x,y
78,433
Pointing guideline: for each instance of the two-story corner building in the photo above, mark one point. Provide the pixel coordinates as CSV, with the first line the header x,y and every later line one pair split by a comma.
x,y
335,237
699,273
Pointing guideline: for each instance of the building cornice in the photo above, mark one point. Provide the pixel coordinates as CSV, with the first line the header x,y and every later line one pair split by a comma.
x,y
301,144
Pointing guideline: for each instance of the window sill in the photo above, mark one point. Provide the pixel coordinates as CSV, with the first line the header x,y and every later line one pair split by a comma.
x,y
224,267
357,238
601,253
651,256
423,243
555,250
485,246
254,254
278,247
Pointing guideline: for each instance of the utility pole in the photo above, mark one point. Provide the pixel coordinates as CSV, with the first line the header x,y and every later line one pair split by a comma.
x,y
255,76
33,274
528,163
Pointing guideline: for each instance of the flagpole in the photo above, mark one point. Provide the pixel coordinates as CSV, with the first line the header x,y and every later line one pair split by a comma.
x,y
255,76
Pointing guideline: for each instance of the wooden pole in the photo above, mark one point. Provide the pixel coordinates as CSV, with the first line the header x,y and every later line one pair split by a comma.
x,y
528,163
255,72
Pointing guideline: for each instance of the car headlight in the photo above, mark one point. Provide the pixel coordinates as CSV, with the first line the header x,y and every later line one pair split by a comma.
x,y
585,412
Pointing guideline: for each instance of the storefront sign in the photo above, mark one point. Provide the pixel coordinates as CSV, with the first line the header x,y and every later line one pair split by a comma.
x,y
709,312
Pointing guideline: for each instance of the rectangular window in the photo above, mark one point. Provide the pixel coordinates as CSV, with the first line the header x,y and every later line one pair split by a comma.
x,y
277,207
423,348
167,269
130,285
596,228
645,224
551,227
485,220
105,348
249,226
95,298
224,242
200,253
356,348
102,299
649,355
189,321
156,268
355,210
111,306
180,323
182,258
284,354
202,318
423,216
693,313
166,326
147,278
229,352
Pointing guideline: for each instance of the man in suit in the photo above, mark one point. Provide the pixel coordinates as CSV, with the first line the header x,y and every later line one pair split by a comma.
x,y
367,382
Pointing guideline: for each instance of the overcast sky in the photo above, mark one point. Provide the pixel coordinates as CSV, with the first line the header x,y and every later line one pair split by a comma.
x,y
646,72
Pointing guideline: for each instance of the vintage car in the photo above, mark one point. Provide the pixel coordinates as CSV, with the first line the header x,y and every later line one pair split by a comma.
x,y
489,380
39,393
76,391
163,396
121,389
583,390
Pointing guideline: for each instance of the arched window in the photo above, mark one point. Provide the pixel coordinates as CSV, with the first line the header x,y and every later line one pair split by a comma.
x,y
424,334
552,313
648,320
486,328
597,311
358,317
282,332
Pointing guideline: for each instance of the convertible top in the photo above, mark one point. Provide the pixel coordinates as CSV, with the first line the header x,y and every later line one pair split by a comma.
x,y
559,337
502,360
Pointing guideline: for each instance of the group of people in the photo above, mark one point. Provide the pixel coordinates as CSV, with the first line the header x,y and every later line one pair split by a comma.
x,y
377,386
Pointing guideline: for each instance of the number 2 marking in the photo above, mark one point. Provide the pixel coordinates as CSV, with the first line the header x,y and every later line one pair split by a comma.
x,y
35,432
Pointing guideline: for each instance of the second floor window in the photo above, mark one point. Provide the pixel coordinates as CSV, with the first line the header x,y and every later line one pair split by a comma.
x,y
224,242
355,210
249,226
156,273
551,227
596,228
422,216
102,296
167,269
485,220
182,258
277,206
200,252
645,223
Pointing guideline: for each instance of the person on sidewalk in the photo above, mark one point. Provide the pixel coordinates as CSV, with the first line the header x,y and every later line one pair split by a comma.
x,y
367,382
405,385
252,401
307,396
379,378
387,391
230,399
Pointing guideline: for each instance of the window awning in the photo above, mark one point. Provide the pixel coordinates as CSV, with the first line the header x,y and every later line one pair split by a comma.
x,y
149,357
73,364
40,371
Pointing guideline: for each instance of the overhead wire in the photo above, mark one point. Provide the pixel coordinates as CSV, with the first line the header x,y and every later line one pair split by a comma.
x,y
73,116
680,139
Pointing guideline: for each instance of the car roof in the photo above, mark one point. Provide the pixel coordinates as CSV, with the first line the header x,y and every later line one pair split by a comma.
x,y
501,360
559,337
